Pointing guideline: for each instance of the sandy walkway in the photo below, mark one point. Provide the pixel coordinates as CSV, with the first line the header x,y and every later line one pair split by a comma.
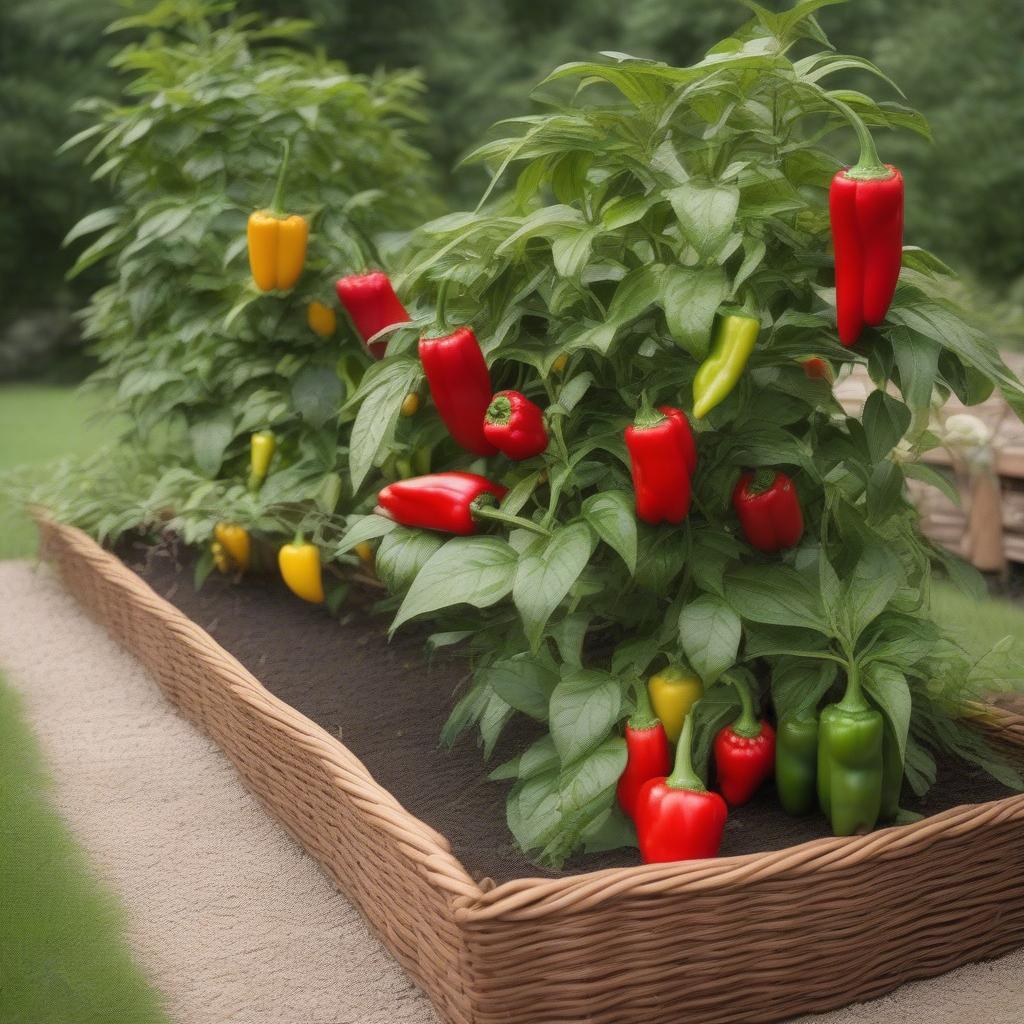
x,y
233,922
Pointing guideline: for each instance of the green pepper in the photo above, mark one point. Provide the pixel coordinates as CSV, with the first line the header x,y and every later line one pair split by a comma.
x,y
892,774
850,762
796,762
718,374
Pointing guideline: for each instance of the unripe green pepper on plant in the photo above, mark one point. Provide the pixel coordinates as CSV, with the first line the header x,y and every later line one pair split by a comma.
x,y
796,763
719,373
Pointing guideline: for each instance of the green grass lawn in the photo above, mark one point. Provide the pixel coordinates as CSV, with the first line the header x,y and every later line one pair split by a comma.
x,y
39,423
63,959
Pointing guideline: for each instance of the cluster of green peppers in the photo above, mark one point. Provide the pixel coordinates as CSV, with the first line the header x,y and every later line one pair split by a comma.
x,y
847,762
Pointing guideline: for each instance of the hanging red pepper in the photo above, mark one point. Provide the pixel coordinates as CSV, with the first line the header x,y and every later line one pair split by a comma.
x,y
661,453
866,208
817,368
676,817
744,752
439,501
371,302
647,750
460,385
768,509
515,426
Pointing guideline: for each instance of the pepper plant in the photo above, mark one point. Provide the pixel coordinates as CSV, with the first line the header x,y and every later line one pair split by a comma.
x,y
195,356
645,205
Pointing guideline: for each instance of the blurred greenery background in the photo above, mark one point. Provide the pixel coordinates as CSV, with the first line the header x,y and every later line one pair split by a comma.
x,y
959,63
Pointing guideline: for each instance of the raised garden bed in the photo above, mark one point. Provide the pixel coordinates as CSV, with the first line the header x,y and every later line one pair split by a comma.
x,y
416,837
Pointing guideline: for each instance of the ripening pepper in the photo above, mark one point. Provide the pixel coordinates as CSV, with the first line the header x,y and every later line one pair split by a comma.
x,y
676,817
277,241
744,753
720,372
460,385
851,762
221,559
299,563
261,451
796,763
410,404
560,363
234,539
364,551
660,462
768,509
673,691
646,749
371,302
515,426
322,319
439,501
817,368
866,210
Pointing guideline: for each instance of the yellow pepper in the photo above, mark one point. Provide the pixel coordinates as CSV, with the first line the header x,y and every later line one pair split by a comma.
x,y
220,557
261,451
277,241
674,690
560,363
234,540
299,563
410,404
365,551
322,319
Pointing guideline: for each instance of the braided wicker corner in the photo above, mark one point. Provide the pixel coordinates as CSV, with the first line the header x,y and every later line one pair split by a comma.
x,y
740,939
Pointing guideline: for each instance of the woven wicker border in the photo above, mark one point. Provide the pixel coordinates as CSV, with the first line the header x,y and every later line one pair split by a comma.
x,y
755,938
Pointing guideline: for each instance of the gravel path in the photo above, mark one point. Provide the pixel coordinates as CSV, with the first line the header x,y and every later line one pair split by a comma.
x,y
234,923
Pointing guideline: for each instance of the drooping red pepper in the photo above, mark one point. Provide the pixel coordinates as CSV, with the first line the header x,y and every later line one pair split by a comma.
x,y
515,426
676,817
768,509
460,385
744,752
866,209
817,368
660,453
371,302
439,501
647,751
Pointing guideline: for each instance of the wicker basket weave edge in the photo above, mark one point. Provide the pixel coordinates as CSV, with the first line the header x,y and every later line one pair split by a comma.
x,y
586,947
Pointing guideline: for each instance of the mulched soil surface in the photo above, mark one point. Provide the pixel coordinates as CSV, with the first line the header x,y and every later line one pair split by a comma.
x,y
387,703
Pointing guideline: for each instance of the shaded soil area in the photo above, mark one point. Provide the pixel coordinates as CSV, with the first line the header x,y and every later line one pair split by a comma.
x,y
387,703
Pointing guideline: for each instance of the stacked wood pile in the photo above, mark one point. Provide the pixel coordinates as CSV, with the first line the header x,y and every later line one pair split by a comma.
x,y
987,526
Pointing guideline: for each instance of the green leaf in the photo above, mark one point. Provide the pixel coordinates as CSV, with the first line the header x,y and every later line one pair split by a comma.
x,y
798,684
95,221
691,297
934,478
709,631
583,708
316,394
885,421
402,554
917,359
888,687
706,213
776,595
636,293
612,516
885,491
383,389
210,439
545,573
364,528
872,584
466,570
524,683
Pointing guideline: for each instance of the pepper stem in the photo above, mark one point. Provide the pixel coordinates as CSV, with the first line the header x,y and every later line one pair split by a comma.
x,y
481,511
647,416
762,480
683,776
299,539
643,716
276,204
747,724
853,698
499,412
868,165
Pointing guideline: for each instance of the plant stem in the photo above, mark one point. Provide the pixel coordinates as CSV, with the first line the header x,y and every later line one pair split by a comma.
x,y
486,512
868,165
276,204
683,776
747,724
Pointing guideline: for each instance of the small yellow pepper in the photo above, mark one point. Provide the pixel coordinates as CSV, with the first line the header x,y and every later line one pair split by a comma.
x,y
365,551
234,540
560,363
322,319
277,241
220,557
674,690
299,563
410,404
261,451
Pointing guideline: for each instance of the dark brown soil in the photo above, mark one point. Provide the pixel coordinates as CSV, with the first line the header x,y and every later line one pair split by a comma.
x,y
387,703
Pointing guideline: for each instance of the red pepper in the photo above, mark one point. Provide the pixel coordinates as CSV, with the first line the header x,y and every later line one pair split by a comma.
x,y
647,750
676,817
661,452
817,369
439,501
372,304
768,508
460,386
515,426
866,208
744,753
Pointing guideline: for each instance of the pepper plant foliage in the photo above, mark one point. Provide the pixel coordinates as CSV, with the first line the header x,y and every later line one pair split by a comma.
x,y
618,224
195,356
